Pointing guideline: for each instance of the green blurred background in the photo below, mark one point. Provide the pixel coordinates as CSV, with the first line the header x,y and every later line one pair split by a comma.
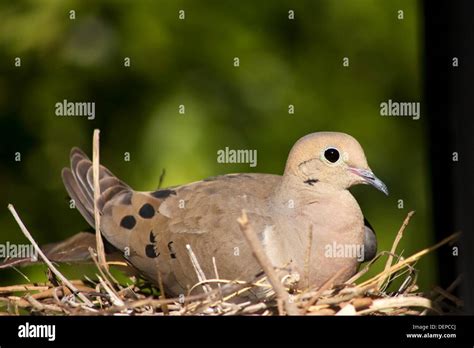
x,y
191,62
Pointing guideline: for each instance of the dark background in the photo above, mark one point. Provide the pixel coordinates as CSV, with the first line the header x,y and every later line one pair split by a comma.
x,y
449,33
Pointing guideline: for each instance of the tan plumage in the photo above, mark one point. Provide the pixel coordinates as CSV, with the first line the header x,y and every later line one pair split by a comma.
x,y
153,228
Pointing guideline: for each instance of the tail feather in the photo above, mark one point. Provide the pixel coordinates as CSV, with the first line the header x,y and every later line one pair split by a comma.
x,y
76,194
108,194
80,172
78,181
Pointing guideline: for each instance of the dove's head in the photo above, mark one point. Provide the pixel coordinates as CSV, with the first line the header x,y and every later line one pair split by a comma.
x,y
336,159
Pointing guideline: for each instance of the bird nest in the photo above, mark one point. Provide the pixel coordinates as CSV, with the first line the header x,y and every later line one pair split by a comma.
x,y
107,296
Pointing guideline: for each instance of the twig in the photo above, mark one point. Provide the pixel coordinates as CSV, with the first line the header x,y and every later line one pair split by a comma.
x,y
113,296
214,264
348,309
365,269
101,271
457,301
262,283
397,302
41,306
22,274
45,259
395,244
162,292
25,287
266,264
162,177
17,301
95,174
154,303
413,258
255,308
246,285
346,297
450,288
409,281
199,272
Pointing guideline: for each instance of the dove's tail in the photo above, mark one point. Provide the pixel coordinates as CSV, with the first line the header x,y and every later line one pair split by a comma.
x,y
79,183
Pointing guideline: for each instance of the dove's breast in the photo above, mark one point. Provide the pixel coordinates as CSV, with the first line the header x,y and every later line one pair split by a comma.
x,y
336,244
338,238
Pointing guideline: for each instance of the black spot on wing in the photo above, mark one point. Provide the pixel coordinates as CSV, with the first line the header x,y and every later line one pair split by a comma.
x,y
163,193
152,237
147,211
128,222
150,251
150,248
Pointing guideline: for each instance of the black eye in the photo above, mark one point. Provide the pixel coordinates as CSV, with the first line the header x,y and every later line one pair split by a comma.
x,y
332,155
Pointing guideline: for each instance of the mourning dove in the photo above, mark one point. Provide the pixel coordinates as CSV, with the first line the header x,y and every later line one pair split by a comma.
x,y
157,230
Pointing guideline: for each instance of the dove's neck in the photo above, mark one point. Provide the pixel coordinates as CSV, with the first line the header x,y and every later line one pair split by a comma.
x,y
293,191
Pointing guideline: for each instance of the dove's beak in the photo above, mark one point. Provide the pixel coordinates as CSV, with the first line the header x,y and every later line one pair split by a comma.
x,y
369,178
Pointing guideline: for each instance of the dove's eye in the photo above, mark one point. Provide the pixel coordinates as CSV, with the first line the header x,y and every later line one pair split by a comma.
x,y
331,154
